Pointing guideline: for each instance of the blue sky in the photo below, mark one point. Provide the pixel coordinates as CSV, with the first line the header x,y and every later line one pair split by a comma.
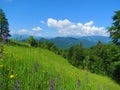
x,y
51,18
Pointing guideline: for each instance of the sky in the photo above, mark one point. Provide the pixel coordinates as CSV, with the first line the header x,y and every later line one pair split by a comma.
x,y
53,18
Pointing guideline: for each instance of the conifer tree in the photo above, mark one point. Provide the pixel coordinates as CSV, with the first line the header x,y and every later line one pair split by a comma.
x,y
115,28
4,27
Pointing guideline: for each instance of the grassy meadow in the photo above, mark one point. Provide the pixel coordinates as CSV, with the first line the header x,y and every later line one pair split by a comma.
x,y
28,68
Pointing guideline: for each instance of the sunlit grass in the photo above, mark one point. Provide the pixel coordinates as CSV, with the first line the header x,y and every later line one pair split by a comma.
x,y
39,69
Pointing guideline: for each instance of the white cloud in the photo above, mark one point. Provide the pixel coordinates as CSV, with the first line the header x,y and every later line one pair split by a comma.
x,y
89,23
26,32
23,31
66,28
58,24
37,28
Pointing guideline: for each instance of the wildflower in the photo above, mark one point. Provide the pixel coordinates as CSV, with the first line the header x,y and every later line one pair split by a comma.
x,y
11,76
79,84
16,85
4,36
52,85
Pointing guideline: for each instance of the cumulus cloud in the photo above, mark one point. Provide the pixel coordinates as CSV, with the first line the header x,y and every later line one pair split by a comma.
x,y
37,28
23,31
58,24
89,23
67,28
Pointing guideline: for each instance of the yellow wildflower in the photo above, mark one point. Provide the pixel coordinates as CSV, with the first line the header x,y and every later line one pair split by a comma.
x,y
11,76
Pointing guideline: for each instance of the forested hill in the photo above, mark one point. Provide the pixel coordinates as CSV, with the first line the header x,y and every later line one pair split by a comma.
x,y
88,41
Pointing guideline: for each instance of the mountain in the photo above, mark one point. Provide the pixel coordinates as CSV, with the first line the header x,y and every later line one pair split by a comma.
x,y
66,42
95,39
39,69
87,41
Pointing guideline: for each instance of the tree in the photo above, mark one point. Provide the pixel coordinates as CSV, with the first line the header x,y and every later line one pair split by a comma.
x,y
76,55
115,28
4,27
115,71
31,41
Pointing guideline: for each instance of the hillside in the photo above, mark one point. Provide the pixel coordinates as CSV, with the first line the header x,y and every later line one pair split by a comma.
x,y
39,69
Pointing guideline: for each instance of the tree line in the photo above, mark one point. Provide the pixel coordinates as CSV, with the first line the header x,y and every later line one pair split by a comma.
x,y
101,59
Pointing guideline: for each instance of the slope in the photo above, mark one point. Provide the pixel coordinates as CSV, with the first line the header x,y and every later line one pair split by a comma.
x,y
39,69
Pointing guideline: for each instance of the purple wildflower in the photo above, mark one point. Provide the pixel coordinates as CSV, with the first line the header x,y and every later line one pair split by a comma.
x,y
16,85
79,84
4,36
52,85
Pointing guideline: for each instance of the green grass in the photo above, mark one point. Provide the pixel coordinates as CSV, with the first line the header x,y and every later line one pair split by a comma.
x,y
17,43
40,69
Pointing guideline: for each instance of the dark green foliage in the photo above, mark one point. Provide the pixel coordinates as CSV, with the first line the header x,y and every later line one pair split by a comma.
x,y
32,41
115,28
48,45
94,64
116,72
107,55
100,59
75,55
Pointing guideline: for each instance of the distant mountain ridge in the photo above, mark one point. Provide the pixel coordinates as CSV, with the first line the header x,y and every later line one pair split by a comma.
x,y
88,41
66,42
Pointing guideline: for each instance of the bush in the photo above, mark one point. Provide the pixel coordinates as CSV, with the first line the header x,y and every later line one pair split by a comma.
x,y
116,72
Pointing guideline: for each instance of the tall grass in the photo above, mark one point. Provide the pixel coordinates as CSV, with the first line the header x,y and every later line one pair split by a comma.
x,y
25,68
